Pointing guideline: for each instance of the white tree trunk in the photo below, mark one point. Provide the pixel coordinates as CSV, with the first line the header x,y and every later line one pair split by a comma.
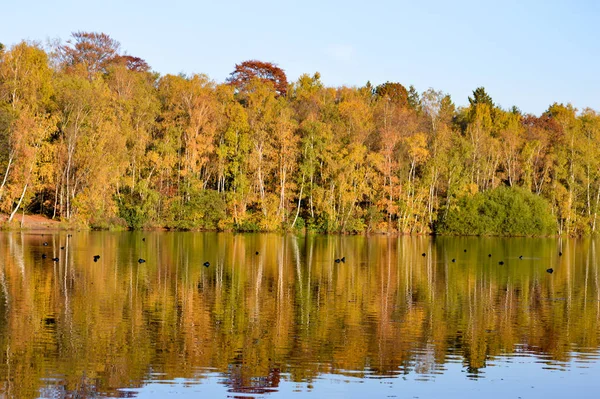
x,y
12,215
10,160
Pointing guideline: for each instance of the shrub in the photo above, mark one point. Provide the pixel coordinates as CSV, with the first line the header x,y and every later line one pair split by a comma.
x,y
137,208
203,211
502,211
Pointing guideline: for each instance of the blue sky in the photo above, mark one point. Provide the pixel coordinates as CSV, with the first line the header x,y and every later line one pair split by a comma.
x,y
525,53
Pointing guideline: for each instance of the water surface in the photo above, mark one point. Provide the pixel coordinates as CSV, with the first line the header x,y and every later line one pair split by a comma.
x,y
276,316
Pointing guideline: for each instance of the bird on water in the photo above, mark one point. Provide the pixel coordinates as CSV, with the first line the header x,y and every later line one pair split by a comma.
x,y
206,264
96,257
140,260
501,262
550,270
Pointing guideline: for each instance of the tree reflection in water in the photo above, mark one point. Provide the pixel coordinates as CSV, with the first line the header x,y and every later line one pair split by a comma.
x,y
79,328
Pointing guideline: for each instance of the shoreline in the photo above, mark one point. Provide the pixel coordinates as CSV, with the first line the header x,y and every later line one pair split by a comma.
x,y
38,223
30,222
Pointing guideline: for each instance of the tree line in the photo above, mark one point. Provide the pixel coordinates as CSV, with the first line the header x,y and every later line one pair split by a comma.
x,y
90,135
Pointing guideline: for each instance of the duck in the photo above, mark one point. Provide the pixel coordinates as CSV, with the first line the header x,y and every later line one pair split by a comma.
x,y
55,259
501,262
206,264
140,260
550,270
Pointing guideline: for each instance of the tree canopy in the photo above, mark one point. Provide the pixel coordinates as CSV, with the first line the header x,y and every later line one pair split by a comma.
x,y
266,72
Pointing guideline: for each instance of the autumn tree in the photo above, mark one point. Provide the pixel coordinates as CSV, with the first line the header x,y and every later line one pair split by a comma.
x,y
95,52
262,108
233,148
393,120
438,111
312,102
540,135
393,92
510,133
246,71
189,107
25,92
478,124
590,126
132,63
568,163
91,151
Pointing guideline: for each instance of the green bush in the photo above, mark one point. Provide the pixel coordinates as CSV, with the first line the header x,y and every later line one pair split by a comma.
x,y
109,223
137,208
502,211
248,226
300,224
203,211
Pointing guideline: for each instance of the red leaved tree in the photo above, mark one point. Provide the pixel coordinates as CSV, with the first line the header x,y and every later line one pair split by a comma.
x,y
132,63
96,51
265,71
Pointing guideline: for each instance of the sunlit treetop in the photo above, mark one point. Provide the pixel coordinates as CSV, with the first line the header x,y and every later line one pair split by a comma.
x,y
394,92
265,71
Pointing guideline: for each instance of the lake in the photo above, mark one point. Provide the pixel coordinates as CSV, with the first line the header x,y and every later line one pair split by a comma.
x,y
277,316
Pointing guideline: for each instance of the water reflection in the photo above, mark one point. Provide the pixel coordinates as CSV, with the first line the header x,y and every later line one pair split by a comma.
x,y
289,316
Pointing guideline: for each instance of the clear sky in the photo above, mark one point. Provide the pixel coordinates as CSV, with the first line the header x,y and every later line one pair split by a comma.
x,y
528,53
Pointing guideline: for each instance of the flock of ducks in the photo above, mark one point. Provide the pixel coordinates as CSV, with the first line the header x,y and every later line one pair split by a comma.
x,y
549,270
142,260
337,260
